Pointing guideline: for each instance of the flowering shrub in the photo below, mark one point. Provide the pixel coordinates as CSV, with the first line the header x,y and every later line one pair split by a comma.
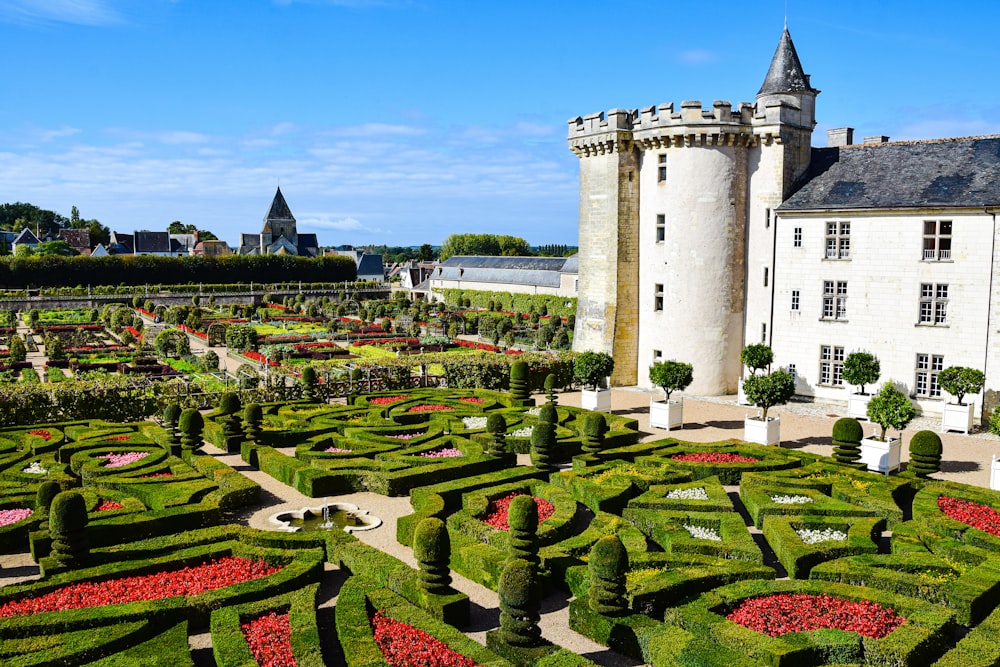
x,y
703,533
791,500
337,450
714,457
8,517
269,638
776,615
474,422
109,505
445,453
119,460
981,517
35,468
120,438
810,536
187,581
41,433
406,436
385,400
403,645
433,407
473,400
697,493
496,511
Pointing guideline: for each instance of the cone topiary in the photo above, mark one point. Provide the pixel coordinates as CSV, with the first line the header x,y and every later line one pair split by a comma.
x,y
496,425
253,417
548,413
847,436
170,416
517,590
543,444
522,517
608,565
432,549
519,381
68,527
551,384
594,429
47,491
309,383
925,453
191,424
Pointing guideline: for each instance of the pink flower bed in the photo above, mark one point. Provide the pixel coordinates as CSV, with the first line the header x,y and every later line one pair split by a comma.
x,y
981,517
109,505
405,436
434,407
776,615
446,453
269,638
714,457
385,400
336,450
119,460
187,581
41,433
403,645
496,511
10,516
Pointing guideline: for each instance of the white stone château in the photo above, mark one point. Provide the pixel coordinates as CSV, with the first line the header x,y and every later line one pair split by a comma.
x,y
702,230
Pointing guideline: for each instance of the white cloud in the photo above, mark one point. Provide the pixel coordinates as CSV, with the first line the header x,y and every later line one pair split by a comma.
x,y
82,12
49,135
946,127
697,56
376,130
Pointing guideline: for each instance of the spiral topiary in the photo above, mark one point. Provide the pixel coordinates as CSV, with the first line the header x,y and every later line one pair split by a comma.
x,y
519,381
543,444
496,425
68,527
253,417
608,565
432,549
309,383
170,416
229,403
847,436
47,491
550,385
548,413
522,517
191,424
517,590
594,429
232,425
925,453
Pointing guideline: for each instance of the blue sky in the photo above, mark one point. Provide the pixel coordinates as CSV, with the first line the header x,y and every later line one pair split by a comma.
x,y
401,121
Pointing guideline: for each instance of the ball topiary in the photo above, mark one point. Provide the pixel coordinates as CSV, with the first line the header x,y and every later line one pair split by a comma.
x,y
229,403
518,593
432,549
496,425
925,453
519,381
522,517
594,429
607,565
68,527
543,444
548,413
847,436
191,425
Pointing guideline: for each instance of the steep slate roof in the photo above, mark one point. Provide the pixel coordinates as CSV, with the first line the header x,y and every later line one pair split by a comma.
x,y
76,238
146,241
785,74
121,244
26,237
506,263
308,245
279,208
541,271
946,173
370,265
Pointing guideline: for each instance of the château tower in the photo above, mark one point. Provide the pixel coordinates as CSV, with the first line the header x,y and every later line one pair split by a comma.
x,y
676,240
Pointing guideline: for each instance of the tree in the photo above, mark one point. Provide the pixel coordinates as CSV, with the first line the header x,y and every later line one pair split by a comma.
x,y
861,368
961,380
767,391
426,253
178,227
59,247
18,352
671,376
890,408
590,368
757,357
484,244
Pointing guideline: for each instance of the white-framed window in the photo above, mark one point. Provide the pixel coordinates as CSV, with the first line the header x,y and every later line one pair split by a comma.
x,y
767,218
797,237
838,240
658,297
925,379
792,371
766,276
937,240
661,171
831,365
657,355
933,303
763,332
834,299
795,299
661,227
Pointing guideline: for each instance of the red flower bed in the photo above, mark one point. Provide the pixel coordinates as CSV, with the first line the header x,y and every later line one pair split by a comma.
x,y
109,505
135,332
403,645
776,615
269,637
981,517
476,346
193,332
473,400
714,457
385,400
120,438
187,581
276,306
259,358
496,511
41,433
430,408
157,474
145,312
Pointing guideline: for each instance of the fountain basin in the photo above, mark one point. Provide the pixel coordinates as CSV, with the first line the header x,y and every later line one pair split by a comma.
x,y
342,516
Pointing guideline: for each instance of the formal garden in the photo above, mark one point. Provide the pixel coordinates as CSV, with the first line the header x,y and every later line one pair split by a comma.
x,y
669,552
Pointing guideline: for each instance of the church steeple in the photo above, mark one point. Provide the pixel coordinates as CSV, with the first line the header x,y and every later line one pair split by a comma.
x,y
785,74
279,209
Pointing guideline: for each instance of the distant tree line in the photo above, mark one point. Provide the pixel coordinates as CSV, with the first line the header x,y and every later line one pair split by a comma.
x,y
15,217
55,270
400,254
484,244
554,250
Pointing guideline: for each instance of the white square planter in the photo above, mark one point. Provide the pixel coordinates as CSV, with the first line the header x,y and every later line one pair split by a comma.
x,y
762,432
857,405
881,456
598,401
741,396
995,474
666,414
957,417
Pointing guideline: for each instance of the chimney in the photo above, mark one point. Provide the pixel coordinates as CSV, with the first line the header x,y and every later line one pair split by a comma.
x,y
876,139
840,136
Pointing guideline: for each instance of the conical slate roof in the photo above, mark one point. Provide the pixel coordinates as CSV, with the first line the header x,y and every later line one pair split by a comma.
x,y
785,74
279,208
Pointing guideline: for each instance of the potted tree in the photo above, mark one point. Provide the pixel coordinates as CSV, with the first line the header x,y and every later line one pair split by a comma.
x,y
757,357
766,391
592,370
860,368
889,408
959,381
670,376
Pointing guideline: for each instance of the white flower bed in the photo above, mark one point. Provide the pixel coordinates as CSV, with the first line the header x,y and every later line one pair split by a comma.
x,y
810,536
534,411
702,533
696,493
521,432
35,468
474,422
791,500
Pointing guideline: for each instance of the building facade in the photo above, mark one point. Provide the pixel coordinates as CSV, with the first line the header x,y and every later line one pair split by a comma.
x,y
703,230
